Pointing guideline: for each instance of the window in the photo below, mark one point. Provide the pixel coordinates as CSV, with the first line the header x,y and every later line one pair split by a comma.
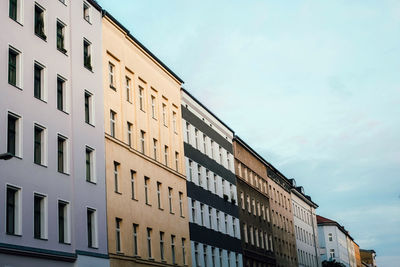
x,y
149,230
188,132
228,161
190,170
181,204
332,253
166,155
196,138
86,12
87,57
205,144
111,75
162,246
129,133
174,122
14,65
133,189
226,223
176,161
90,176
135,239
146,190
159,194
116,169
246,238
199,173
218,227
128,89
173,249
39,145
155,148
89,114
39,216
170,199
210,217
214,263
207,186
330,237
62,153
61,94
61,37
38,88
196,255
202,214
164,114
39,22
113,116
205,255
220,154
14,8
141,98
63,222
14,211
142,139
256,233
183,251
215,183
220,257
242,200
91,228
233,227
118,223
193,211
153,107
14,135
212,148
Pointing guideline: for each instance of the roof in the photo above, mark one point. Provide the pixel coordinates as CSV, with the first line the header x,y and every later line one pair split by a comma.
x,y
209,111
325,221
108,15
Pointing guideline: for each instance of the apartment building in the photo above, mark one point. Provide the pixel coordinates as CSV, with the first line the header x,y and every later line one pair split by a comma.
x,y
147,213
279,190
357,254
305,227
254,207
368,257
54,188
333,241
211,187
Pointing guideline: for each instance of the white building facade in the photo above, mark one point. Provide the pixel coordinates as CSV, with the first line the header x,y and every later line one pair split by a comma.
x,y
332,241
211,187
51,106
305,224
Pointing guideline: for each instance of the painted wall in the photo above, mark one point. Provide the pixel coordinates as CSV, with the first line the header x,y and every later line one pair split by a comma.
x,y
338,243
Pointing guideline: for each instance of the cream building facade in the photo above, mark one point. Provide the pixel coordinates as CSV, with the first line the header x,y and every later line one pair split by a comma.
x,y
145,173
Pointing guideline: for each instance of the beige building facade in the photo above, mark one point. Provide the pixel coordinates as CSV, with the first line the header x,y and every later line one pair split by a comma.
x,y
147,213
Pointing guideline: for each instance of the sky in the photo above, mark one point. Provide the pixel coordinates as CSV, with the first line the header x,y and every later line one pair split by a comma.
x,y
313,86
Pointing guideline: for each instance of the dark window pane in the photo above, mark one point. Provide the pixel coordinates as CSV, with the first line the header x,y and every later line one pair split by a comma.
x,y
13,9
61,222
37,216
88,173
89,227
10,220
60,37
87,118
11,138
38,81
12,67
39,22
38,146
60,94
61,155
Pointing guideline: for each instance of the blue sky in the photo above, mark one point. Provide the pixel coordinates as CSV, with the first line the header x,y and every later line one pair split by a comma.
x,y
313,86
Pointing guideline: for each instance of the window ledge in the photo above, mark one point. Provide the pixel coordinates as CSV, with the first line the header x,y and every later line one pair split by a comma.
x,y
16,86
88,123
91,182
39,164
42,239
64,243
43,37
148,204
64,173
113,87
119,193
63,51
17,235
89,68
134,199
16,21
93,247
44,101
63,111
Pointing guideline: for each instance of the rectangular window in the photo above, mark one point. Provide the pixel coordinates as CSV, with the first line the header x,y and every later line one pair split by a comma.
x,y
129,133
177,161
14,135
111,75
332,254
13,212
61,94
87,57
199,174
242,200
159,194
212,148
196,255
113,116
202,214
251,235
62,154
196,138
164,114
183,251
128,88
226,223
116,174
39,214
193,211
214,263
181,204
155,144
218,227
170,199
118,223
91,228
153,107
207,183
174,125
39,22
133,178
142,141
205,144
330,237
39,145
135,239
210,217
146,189
89,158
166,155
246,237
188,132
141,98
14,59
162,256
61,37
220,257
38,88
89,108
13,9
86,12
149,230
190,170
173,249
220,155
63,222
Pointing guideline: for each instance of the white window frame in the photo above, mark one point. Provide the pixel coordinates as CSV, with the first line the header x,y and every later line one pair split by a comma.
x,y
91,107
18,211
18,132
95,241
67,215
44,215
18,68
43,80
66,153
93,178
44,154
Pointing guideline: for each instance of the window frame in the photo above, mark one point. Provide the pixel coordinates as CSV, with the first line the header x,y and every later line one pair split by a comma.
x,y
41,33
66,222
92,164
62,35
43,144
17,210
